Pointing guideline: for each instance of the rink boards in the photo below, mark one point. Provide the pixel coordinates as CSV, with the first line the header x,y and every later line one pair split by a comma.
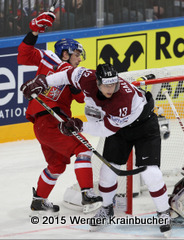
x,y
129,47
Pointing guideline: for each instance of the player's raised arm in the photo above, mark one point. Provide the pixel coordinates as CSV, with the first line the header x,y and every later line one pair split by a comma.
x,y
43,20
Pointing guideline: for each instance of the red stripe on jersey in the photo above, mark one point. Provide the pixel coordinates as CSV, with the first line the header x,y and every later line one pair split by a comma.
x,y
63,66
159,192
109,189
69,73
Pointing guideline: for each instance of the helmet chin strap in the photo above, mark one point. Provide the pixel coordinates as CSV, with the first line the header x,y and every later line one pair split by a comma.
x,y
68,61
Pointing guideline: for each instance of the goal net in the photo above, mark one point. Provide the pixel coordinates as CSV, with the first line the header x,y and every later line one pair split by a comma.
x,y
172,151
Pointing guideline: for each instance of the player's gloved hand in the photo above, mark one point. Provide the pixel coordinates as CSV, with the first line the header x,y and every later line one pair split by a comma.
x,y
36,85
74,124
43,20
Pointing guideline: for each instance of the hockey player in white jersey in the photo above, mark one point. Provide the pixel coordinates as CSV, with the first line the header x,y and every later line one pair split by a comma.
x,y
124,115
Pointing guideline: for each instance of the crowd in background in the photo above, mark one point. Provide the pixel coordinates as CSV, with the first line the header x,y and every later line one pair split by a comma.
x,y
15,15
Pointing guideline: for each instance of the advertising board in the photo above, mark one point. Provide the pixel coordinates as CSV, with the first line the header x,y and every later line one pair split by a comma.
x,y
127,51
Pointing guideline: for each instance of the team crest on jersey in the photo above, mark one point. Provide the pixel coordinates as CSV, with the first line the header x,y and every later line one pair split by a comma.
x,y
54,92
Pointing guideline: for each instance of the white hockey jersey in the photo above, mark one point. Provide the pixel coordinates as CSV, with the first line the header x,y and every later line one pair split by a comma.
x,y
111,114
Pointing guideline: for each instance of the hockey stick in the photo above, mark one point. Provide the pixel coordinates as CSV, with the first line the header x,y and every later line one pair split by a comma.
x,y
53,6
83,141
174,109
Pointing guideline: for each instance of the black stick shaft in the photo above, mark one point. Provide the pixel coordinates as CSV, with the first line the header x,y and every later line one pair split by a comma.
x,y
83,141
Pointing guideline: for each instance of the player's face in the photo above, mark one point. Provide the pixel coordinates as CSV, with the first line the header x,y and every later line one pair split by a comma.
x,y
107,89
75,58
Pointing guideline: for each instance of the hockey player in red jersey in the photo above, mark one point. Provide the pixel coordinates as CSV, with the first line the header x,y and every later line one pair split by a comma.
x,y
57,148
124,115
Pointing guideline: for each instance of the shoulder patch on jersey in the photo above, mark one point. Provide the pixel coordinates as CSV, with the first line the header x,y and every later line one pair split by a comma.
x,y
79,74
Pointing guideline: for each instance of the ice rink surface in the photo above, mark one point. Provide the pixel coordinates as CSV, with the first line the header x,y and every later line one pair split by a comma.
x,y
21,163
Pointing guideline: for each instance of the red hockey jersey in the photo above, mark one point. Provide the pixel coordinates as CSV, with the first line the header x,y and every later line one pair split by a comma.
x,y
55,96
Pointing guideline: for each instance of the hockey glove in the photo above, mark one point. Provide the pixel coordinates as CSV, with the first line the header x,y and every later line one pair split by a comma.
x,y
74,124
36,85
43,20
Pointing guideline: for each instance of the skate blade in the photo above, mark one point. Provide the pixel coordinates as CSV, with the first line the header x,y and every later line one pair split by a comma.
x,y
43,213
91,207
167,234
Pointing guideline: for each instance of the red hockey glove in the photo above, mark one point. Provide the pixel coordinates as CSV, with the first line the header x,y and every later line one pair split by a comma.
x,y
74,124
36,85
43,20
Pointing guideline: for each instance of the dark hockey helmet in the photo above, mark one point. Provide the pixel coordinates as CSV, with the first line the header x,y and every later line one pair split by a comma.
x,y
106,74
70,45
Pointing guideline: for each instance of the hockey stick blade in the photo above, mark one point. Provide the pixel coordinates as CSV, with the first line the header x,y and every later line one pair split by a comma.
x,y
118,171
83,141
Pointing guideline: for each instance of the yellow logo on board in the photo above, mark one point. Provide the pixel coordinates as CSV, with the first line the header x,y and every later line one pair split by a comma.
x,y
125,53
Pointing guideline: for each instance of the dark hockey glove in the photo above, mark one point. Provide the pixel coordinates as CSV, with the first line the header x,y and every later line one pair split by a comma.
x,y
36,85
74,124
43,20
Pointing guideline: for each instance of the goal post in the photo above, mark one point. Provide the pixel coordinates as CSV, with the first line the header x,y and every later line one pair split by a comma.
x,y
170,79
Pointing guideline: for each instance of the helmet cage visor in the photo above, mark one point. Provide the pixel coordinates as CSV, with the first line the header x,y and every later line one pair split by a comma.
x,y
80,49
106,74
70,46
